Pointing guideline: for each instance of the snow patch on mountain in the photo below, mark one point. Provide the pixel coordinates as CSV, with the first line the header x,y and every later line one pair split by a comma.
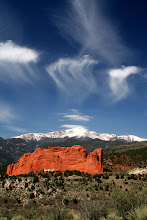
x,y
79,132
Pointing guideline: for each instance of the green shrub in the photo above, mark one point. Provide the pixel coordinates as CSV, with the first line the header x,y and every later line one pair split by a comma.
x,y
19,179
19,217
26,185
75,201
32,187
5,214
93,210
125,201
66,214
96,188
107,188
32,196
139,213
117,176
36,179
66,202
99,181
3,184
111,216
68,173
105,177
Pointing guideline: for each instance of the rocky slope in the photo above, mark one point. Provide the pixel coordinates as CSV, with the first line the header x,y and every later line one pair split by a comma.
x,y
128,155
58,158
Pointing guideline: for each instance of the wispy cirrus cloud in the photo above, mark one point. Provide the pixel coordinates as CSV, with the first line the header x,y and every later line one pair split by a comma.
x,y
17,62
74,76
6,114
118,81
16,129
86,24
68,126
77,117
7,118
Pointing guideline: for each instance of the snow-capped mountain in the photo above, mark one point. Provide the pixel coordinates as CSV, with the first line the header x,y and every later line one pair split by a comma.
x,y
79,132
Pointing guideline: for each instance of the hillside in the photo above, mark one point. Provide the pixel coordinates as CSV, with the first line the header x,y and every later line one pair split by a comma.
x,y
12,149
133,154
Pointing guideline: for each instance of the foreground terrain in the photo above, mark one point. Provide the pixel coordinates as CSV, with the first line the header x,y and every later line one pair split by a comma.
x,y
73,195
114,195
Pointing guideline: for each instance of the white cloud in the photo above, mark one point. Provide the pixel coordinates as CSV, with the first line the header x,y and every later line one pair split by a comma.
x,y
74,76
16,129
78,117
86,24
6,114
7,117
71,126
17,64
11,52
118,80
75,115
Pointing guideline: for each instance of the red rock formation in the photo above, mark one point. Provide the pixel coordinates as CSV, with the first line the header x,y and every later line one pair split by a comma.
x,y
58,158
121,167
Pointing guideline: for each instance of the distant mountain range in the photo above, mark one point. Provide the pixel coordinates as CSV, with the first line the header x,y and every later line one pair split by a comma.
x,y
79,132
13,148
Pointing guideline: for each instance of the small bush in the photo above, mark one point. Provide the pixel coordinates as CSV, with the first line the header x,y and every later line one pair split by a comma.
x,y
139,213
96,188
19,180
3,184
125,201
18,201
36,179
32,187
93,210
26,185
66,202
32,196
5,214
105,177
117,176
19,217
75,201
107,188
111,216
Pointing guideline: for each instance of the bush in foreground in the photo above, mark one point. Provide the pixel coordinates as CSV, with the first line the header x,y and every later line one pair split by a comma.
x,y
111,216
139,213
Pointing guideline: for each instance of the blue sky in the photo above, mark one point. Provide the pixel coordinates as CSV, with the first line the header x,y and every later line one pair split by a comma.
x,y
65,63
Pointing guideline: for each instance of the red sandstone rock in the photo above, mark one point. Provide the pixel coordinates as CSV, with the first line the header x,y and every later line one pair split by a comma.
x,y
121,167
58,158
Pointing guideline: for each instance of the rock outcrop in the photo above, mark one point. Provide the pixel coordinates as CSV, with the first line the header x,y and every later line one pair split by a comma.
x,y
58,158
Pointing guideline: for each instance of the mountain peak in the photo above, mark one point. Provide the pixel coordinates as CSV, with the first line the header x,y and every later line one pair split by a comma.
x,y
79,132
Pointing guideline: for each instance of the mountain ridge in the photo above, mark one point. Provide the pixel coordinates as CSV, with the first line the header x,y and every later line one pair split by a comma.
x,y
79,132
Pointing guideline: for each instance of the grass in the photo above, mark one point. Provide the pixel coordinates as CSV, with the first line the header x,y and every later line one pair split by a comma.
x,y
139,213
80,196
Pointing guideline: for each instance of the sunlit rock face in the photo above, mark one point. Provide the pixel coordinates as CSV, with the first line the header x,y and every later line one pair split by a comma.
x,y
58,158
